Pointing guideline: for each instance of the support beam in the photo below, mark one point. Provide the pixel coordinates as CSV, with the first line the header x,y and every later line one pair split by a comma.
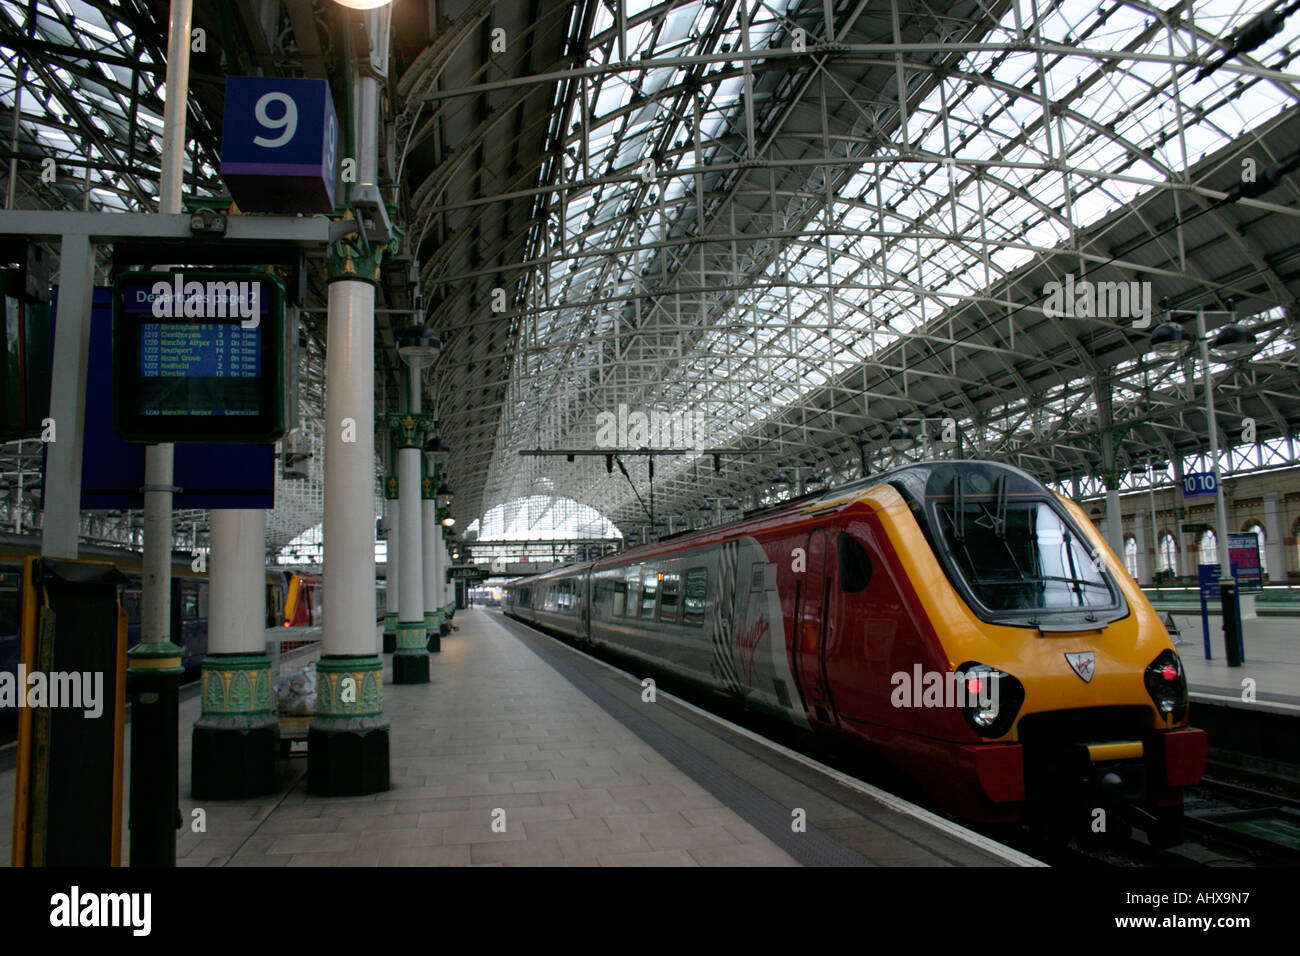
x,y
68,398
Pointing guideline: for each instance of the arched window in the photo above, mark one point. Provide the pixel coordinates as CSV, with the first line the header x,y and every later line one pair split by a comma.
x,y
1258,529
1169,554
1131,555
1209,547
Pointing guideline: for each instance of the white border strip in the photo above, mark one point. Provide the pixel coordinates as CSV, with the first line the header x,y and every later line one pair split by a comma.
x,y
886,799
1237,702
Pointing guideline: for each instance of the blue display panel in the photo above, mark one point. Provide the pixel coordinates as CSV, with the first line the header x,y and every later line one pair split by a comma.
x,y
112,471
201,355
201,351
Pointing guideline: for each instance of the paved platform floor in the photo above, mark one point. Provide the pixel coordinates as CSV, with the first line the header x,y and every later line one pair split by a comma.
x,y
1272,657
518,728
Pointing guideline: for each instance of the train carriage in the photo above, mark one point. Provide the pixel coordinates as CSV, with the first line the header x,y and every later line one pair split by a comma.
x,y
958,618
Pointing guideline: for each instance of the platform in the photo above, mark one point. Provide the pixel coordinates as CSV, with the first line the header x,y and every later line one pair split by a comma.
x,y
585,773
1272,658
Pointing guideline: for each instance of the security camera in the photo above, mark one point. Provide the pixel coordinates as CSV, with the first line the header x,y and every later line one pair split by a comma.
x,y
368,206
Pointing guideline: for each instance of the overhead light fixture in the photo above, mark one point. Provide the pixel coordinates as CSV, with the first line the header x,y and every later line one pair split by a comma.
x,y
443,496
419,346
900,438
1170,338
448,521
363,4
1232,342
436,448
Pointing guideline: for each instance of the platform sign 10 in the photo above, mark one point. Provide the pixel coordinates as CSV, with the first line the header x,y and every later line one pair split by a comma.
x,y
279,144
1200,484
200,356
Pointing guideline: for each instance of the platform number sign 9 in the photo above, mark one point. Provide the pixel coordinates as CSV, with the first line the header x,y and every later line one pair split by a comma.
x,y
287,122
279,144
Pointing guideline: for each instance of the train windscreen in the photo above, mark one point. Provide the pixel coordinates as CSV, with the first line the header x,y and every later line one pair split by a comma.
x,y
1025,559
1011,550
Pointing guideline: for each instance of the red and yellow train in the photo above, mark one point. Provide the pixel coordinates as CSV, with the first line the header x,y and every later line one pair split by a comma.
x,y
957,618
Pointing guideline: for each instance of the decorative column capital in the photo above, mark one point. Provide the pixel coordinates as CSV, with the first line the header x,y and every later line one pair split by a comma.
x,y
390,488
354,258
409,430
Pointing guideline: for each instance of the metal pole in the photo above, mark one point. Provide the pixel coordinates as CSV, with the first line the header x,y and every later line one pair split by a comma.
x,y
1155,530
444,562
1227,586
431,540
60,532
411,660
348,745
393,517
11,191
155,663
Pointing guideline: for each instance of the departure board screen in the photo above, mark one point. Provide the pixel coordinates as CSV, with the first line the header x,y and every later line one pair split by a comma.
x,y
187,369
200,355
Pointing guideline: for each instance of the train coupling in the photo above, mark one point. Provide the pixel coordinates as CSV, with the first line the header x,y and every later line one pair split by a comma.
x,y
1115,769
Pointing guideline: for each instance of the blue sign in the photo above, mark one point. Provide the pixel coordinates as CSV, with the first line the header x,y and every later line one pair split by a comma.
x,y
112,471
1200,484
279,144
1209,575
1243,555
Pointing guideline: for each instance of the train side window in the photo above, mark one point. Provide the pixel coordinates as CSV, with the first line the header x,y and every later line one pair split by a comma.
x,y
9,607
620,599
189,602
855,564
649,591
756,576
203,600
697,584
668,592
633,592
131,604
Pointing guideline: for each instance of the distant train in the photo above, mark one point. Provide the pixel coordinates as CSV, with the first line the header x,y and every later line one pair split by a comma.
x,y
957,618
293,599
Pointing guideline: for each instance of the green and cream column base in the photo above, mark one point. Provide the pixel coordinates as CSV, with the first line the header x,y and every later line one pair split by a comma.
x,y
237,736
347,744
390,633
433,629
411,659
154,671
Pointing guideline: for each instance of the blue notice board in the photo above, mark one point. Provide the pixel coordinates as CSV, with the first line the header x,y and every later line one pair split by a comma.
x,y
1243,555
112,471
279,144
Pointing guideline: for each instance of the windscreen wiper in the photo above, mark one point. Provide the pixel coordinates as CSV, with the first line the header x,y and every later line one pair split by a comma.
x,y
1000,514
959,508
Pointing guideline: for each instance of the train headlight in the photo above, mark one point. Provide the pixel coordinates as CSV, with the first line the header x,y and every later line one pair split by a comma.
x,y
1167,685
990,699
